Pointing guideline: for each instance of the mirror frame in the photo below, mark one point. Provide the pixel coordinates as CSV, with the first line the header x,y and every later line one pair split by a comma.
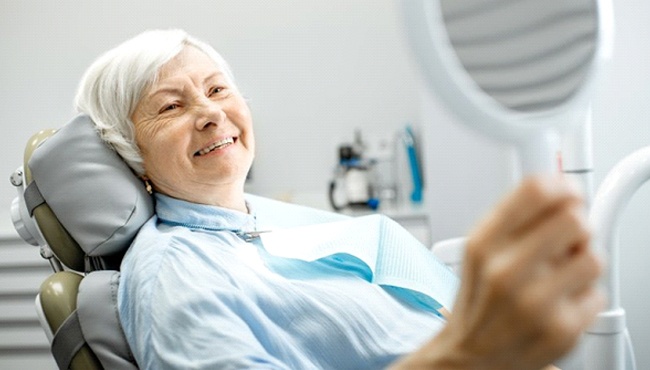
x,y
447,78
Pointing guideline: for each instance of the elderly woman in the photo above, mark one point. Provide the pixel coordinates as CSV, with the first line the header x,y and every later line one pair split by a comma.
x,y
199,291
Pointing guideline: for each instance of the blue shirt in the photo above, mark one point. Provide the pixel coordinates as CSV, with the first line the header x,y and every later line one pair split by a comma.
x,y
194,293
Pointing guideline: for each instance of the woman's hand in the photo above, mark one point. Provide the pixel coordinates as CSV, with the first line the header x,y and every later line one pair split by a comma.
x,y
528,285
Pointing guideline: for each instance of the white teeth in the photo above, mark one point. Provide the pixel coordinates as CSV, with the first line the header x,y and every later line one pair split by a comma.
x,y
217,145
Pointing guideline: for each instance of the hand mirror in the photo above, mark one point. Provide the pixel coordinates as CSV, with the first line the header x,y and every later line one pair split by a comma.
x,y
520,71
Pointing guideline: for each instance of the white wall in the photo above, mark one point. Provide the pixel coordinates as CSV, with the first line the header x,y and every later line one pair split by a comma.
x,y
315,70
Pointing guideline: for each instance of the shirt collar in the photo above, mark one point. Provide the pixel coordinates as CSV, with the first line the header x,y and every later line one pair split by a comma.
x,y
201,216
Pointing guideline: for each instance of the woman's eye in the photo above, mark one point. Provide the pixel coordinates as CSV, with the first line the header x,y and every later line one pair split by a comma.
x,y
216,90
169,107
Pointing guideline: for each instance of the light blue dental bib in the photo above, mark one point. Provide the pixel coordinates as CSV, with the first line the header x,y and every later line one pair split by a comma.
x,y
375,247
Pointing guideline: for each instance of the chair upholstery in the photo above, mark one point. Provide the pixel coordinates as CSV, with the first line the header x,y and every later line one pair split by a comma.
x,y
96,198
58,299
99,288
87,206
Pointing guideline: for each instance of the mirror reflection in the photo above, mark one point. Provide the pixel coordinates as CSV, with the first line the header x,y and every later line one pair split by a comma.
x,y
528,55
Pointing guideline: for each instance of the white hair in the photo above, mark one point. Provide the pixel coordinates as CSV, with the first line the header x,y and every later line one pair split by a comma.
x,y
112,86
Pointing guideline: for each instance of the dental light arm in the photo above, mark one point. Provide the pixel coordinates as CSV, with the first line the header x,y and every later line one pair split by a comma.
x,y
613,195
606,340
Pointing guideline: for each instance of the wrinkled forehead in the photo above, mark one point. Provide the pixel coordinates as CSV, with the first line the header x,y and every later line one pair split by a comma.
x,y
190,61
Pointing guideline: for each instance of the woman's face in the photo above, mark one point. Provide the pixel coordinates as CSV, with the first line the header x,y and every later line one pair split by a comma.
x,y
194,130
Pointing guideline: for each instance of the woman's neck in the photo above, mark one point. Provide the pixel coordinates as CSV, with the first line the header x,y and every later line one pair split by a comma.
x,y
230,197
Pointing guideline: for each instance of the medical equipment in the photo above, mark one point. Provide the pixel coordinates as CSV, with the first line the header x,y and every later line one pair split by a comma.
x,y
414,164
522,71
352,174
381,172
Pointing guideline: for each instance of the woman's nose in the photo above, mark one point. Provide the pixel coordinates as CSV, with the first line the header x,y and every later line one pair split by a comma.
x,y
209,113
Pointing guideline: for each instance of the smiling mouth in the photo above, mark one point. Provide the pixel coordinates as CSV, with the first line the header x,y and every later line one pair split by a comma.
x,y
218,145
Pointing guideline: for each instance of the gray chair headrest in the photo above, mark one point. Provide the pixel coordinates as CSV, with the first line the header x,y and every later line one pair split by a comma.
x,y
93,193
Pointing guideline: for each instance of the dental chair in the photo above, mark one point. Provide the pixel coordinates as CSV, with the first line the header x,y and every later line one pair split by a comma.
x,y
81,204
